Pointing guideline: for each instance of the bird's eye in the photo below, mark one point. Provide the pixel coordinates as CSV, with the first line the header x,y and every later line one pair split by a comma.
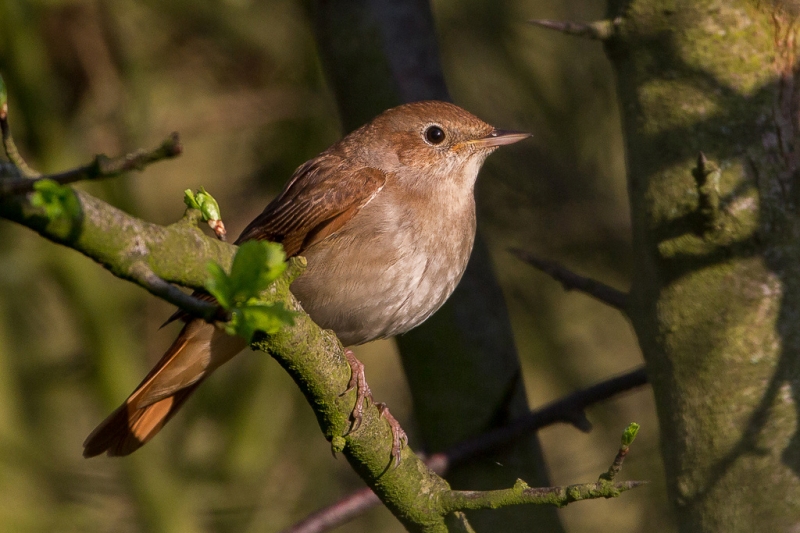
x,y
434,135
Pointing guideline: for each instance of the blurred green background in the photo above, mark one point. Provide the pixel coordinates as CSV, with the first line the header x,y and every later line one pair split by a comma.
x,y
241,81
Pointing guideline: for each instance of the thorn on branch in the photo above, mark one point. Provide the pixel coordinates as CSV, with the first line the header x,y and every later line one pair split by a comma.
x,y
572,281
101,167
601,30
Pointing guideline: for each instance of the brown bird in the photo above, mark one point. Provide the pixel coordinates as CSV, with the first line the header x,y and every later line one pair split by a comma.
x,y
385,218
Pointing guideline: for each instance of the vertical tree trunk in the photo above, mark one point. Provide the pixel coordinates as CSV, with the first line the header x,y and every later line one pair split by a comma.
x,y
461,364
716,295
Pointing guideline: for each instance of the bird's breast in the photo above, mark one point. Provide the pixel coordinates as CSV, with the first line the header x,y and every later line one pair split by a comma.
x,y
389,268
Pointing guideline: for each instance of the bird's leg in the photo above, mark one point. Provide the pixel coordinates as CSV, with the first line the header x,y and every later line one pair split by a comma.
x,y
399,437
358,381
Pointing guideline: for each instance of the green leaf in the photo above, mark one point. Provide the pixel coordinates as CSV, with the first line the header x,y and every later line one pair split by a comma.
x,y
218,285
630,434
56,200
255,266
260,316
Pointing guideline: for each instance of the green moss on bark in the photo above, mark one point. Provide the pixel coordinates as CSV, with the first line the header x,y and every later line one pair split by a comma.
x,y
715,305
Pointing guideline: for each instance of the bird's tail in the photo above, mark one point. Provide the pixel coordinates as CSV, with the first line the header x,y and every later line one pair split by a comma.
x,y
127,429
199,349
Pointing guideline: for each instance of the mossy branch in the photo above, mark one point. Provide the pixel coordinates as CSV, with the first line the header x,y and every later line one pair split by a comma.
x,y
358,502
521,494
154,256
136,250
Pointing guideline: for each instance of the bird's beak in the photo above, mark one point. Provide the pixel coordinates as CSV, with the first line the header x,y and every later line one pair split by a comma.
x,y
500,138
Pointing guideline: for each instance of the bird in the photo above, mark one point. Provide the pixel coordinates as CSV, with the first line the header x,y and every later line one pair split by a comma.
x,y
386,220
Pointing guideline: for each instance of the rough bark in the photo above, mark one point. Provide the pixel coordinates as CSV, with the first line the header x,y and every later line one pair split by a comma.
x,y
716,295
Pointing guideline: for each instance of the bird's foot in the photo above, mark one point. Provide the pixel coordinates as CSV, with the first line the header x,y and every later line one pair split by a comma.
x,y
399,437
358,381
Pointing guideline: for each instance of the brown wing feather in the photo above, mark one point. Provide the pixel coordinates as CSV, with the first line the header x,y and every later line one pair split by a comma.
x,y
306,211
324,193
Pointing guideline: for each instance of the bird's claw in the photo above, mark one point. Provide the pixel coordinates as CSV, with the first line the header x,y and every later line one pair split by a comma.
x,y
358,381
399,437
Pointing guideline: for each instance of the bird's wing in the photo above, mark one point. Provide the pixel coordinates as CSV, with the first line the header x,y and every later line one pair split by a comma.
x,y
322,196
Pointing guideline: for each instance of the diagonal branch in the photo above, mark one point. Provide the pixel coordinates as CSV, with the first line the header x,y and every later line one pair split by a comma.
x,y
572,281
132,249
562,410
154,256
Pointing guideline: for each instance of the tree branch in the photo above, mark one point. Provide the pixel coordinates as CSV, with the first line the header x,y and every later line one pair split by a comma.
x,y
101,167
135,250
210,312
572,281
9,146
562,410
522,494
153,256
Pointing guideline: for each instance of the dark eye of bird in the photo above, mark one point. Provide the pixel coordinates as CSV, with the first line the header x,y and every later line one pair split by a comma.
x,y
434,135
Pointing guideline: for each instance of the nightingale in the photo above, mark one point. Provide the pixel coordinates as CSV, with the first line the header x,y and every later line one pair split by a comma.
x,y
386,220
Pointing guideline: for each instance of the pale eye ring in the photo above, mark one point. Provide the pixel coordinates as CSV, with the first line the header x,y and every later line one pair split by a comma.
x,y
434,134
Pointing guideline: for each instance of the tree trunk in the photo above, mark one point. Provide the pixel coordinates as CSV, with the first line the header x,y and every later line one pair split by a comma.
x,y
716,295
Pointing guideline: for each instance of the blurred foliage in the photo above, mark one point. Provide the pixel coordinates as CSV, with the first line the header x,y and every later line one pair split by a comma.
x,y
241,81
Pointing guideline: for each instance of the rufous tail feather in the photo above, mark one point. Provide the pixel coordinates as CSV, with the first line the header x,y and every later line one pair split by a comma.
x,y
127,429
199,349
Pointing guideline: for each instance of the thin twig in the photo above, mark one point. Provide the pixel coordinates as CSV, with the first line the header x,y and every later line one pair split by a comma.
x,y
522,494
572,281
101,167
10,147
600,30
562,410
210,312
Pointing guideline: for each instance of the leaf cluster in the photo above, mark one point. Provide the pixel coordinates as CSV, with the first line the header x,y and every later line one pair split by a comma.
x,y
256,265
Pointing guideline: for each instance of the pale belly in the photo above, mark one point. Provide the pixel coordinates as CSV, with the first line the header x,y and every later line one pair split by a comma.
x,y
370,285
